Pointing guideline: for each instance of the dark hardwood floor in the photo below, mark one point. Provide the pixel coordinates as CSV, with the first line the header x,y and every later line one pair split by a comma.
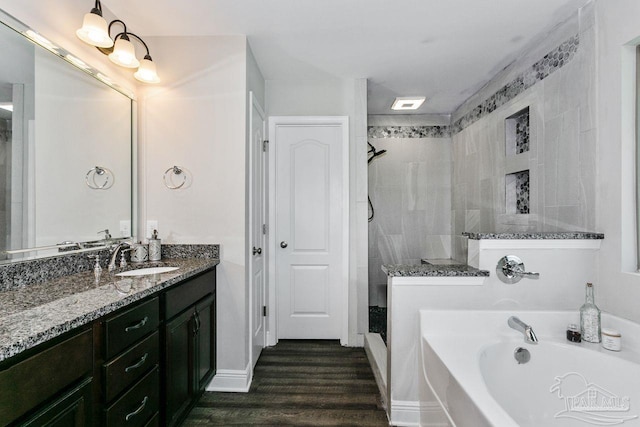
x,y
300,383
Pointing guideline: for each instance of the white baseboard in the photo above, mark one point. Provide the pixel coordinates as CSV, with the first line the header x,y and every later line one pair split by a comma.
x,y
230,380
404,413
412,413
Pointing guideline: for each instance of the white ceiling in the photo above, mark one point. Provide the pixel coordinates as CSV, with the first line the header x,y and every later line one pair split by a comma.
x,y
442,49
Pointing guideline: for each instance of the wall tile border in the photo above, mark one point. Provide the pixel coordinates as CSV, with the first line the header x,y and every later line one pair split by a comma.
x,y
537,72
409,132
551,62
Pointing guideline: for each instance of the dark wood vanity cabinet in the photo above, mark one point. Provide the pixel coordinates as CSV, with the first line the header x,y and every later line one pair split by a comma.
x,y
189,345
51,385
131,375
143,365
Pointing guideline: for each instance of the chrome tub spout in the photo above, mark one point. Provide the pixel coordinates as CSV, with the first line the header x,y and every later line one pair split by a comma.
x,y
527,330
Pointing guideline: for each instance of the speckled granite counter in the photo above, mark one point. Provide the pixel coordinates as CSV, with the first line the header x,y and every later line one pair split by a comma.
x,y
33,314
428,270
577,235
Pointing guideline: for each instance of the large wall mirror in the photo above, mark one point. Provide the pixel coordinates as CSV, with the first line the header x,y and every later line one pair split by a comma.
x,y
65,149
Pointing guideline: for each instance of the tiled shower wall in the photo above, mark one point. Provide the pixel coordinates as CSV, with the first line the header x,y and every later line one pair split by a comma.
x,y
559,90
410,188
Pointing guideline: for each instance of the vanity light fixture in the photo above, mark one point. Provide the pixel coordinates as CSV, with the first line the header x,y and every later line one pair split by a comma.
x,y
120,49
6,106
408,103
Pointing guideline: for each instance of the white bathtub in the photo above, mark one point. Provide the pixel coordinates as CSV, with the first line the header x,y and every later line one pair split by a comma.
x,y
469,365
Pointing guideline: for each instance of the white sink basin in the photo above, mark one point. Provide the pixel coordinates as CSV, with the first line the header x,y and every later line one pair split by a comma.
x,y
147,271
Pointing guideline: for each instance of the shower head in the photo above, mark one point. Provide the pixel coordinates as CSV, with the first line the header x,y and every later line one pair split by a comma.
x,y
374,153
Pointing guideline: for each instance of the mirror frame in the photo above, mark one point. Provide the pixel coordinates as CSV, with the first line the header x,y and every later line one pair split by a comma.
x,y
40,40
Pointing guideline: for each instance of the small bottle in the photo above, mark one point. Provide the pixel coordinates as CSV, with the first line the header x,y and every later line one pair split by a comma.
x,y
155,248
590,318
97,270
573,333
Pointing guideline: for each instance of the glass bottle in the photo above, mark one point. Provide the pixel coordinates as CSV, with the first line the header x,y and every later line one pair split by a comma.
x,y
590,318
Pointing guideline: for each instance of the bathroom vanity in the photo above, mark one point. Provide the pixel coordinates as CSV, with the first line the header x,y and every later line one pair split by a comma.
x,y
124,351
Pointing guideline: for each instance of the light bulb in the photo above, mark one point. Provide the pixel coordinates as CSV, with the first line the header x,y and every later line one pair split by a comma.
x,y
94,31
124,54
147,72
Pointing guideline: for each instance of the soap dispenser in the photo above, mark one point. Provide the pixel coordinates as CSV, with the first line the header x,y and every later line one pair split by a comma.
x,y
155,248
97,270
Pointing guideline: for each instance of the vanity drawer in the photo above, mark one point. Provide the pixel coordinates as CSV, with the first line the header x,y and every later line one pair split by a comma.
x,y
188,293
139,405
27,384
154,422
128,327
130,366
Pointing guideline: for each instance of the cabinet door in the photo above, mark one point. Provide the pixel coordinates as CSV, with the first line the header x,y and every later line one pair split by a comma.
x,y
73,409
205,342
179,365
58,368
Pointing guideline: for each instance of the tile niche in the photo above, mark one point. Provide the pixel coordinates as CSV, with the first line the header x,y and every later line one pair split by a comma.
x,y
517,192
517,142
517,134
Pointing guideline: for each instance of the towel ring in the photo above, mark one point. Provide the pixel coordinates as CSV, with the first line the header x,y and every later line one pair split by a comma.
x,y
168,178
90,178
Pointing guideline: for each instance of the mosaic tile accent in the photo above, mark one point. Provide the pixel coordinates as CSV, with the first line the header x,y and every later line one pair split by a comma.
x,y
522,192
522,133
551,62
378,321
409,131
573,235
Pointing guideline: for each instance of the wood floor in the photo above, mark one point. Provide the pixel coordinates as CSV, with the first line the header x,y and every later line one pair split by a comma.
x,y
300,383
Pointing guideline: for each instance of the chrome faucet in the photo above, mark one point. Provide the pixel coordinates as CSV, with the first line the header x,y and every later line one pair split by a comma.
x,y
114,254
510,270
520,326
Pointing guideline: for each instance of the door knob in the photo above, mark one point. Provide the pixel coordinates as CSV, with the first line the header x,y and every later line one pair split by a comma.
x,y
257,250
283,244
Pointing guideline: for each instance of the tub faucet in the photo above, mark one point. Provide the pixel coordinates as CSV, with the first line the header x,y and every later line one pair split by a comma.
x,y
114,254
520,326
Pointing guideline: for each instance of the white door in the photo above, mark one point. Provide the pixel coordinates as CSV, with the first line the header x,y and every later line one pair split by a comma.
x,y
311,225
258,219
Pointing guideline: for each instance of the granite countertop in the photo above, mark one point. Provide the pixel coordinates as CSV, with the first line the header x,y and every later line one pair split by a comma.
x,y
429,270
573,235
33,314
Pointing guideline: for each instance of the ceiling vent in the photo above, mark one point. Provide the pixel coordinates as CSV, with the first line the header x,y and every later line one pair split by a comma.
x,y
408,103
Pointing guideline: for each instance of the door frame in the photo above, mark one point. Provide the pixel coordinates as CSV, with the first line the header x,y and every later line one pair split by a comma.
x,y
253,102
275,121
